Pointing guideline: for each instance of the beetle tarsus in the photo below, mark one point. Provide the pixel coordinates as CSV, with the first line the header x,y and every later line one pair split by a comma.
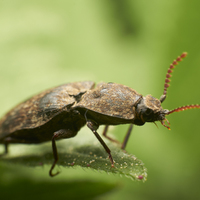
x,y
111,160
52,167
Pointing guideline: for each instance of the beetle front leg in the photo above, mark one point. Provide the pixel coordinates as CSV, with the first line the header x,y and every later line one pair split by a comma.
x,y
92,126
127,137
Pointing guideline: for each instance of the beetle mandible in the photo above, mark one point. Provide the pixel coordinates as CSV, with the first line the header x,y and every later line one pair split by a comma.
x,y
62,111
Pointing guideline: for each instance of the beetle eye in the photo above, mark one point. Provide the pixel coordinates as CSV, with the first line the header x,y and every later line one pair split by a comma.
x,y
148,111
148,115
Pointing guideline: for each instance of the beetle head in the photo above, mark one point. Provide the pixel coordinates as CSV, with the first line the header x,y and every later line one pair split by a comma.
x,y
150,109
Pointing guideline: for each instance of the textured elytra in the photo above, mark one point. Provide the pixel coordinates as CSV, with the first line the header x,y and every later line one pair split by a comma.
x,y
41,108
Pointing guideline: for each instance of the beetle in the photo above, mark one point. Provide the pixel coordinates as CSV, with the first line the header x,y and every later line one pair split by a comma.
x,y
62,111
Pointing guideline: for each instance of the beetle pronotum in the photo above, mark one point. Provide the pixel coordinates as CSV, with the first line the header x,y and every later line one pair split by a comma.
x,y
62,111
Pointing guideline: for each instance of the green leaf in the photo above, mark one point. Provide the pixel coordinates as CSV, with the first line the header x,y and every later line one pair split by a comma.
x,y
82,151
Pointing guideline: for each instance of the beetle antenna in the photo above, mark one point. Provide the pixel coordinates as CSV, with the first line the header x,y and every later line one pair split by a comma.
x,y
182,108
168,75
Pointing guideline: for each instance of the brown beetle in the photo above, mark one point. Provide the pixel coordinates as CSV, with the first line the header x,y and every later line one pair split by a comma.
x,y
62,111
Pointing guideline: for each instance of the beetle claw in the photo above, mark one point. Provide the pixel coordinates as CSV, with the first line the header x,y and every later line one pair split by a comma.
x,y
52,175
112,166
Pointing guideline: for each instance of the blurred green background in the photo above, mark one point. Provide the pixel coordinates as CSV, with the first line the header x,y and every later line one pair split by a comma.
x,y
132,42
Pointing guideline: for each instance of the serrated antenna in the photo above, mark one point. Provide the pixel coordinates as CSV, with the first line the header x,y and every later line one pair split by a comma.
x,y
166,85
182,108
170,70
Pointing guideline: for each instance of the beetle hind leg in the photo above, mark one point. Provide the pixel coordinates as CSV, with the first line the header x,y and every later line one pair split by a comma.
x,y
6,148
5,151
55,155
62,133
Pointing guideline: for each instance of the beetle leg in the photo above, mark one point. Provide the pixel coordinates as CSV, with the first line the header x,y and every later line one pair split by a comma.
x,y
6,148
55,155
63,133
91,127
105,135
6,141
127,137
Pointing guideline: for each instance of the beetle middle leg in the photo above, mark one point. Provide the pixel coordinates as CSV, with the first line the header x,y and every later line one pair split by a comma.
x,y
105,135
123,144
